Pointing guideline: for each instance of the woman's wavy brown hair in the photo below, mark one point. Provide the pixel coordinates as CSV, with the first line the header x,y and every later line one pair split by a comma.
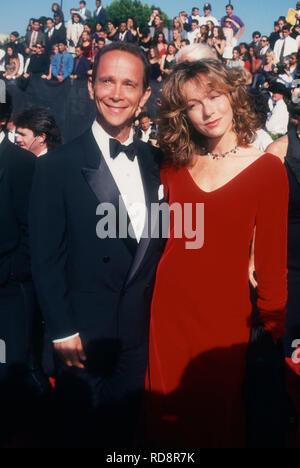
x,y
177,137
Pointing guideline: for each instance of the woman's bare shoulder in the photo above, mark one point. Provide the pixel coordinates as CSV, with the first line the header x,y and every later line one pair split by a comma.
x,y
279,147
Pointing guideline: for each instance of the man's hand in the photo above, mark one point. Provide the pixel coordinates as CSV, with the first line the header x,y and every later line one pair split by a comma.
x,y
71,352
60,78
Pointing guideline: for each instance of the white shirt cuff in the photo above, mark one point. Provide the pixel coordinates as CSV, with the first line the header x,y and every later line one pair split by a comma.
x,y
60,340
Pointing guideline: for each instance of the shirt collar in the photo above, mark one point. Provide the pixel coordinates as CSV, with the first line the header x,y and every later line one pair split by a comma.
x,y
2,136
102,138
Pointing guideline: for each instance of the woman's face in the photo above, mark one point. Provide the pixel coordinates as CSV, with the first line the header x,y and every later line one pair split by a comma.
x,y
87,28
209,111
76,19
210,25
55,49
110,26
268,57
236,55
243,49
9,51
99,27
171,49
85,36
215,32
151,53
129,23
251,51
176,23
160,38
157,21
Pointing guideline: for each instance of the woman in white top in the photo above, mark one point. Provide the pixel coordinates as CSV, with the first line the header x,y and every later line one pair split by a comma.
x,y
74,31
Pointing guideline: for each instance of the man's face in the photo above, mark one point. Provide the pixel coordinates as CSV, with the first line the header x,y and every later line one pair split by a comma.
x,y
12,38
98,3
118,90
285,32
194,26
100,44
229,10
39,49
207,11
277,96
36,26
256,38
264,41
56,19
145,123
102,34
280,24
195,12
155,12
123,27
78,52
298,6
203,29
293,60
61,47
26,140
49,24
82,5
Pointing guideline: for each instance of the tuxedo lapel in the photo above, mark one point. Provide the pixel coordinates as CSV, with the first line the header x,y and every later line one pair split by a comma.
x,y
102,183
151,182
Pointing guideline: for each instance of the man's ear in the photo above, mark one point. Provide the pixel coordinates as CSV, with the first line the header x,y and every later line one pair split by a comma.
x,y
91,90
145,97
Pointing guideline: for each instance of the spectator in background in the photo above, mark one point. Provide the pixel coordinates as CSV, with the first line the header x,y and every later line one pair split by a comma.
x,y
54,51
144,133
255,59
256,36
12,64
62,63
192,34
244,55
155,12
145,40
56,9
112,30
178,24
161,43
14,41
98,28
34,36
61,32
261,108
83,11
51,35
176,38
264,47
275,35
168,60
100,13
284,46
74,31
37,131
194,15
86,45
39,62
185,20
218,41
124,35
278,116
207,16
236,60
236,23
159,27
132,27
230,39
154,62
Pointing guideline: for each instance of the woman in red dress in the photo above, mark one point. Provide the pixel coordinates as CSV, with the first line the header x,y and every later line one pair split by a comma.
x,y
200,323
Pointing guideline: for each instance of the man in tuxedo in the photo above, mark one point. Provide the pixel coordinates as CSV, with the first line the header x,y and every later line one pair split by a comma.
x,y
95,286
52,36
16,288
124,35
100,13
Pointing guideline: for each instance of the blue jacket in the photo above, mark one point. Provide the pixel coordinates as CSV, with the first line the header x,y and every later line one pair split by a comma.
x,y
68,63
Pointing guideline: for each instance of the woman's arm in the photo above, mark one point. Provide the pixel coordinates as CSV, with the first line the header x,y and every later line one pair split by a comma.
x,y
220,46
162,64
270,250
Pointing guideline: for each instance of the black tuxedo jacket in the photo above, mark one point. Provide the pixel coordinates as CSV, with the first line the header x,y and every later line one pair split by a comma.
x,y
16,172
101,18
49,42
97,287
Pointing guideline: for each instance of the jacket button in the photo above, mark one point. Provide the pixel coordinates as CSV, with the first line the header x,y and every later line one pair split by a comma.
x,y
106,259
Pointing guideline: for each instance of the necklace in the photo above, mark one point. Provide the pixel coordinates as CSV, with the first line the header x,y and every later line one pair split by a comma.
x,y
222,155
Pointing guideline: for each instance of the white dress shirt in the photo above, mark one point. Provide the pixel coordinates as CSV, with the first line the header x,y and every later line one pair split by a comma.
x,y
203,20
128,179
278,118
290,46
191,35
146,135
2,136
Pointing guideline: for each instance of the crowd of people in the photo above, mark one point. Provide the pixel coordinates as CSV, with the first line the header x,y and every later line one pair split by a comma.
x,y
89,313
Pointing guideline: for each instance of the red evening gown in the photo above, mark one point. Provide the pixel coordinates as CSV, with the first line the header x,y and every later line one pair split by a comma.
x,y
200,322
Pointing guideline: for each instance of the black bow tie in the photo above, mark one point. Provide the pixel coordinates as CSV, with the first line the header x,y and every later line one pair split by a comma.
x,y
115,148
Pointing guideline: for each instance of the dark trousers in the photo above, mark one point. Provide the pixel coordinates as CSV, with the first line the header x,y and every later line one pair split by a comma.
x,y
100,406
